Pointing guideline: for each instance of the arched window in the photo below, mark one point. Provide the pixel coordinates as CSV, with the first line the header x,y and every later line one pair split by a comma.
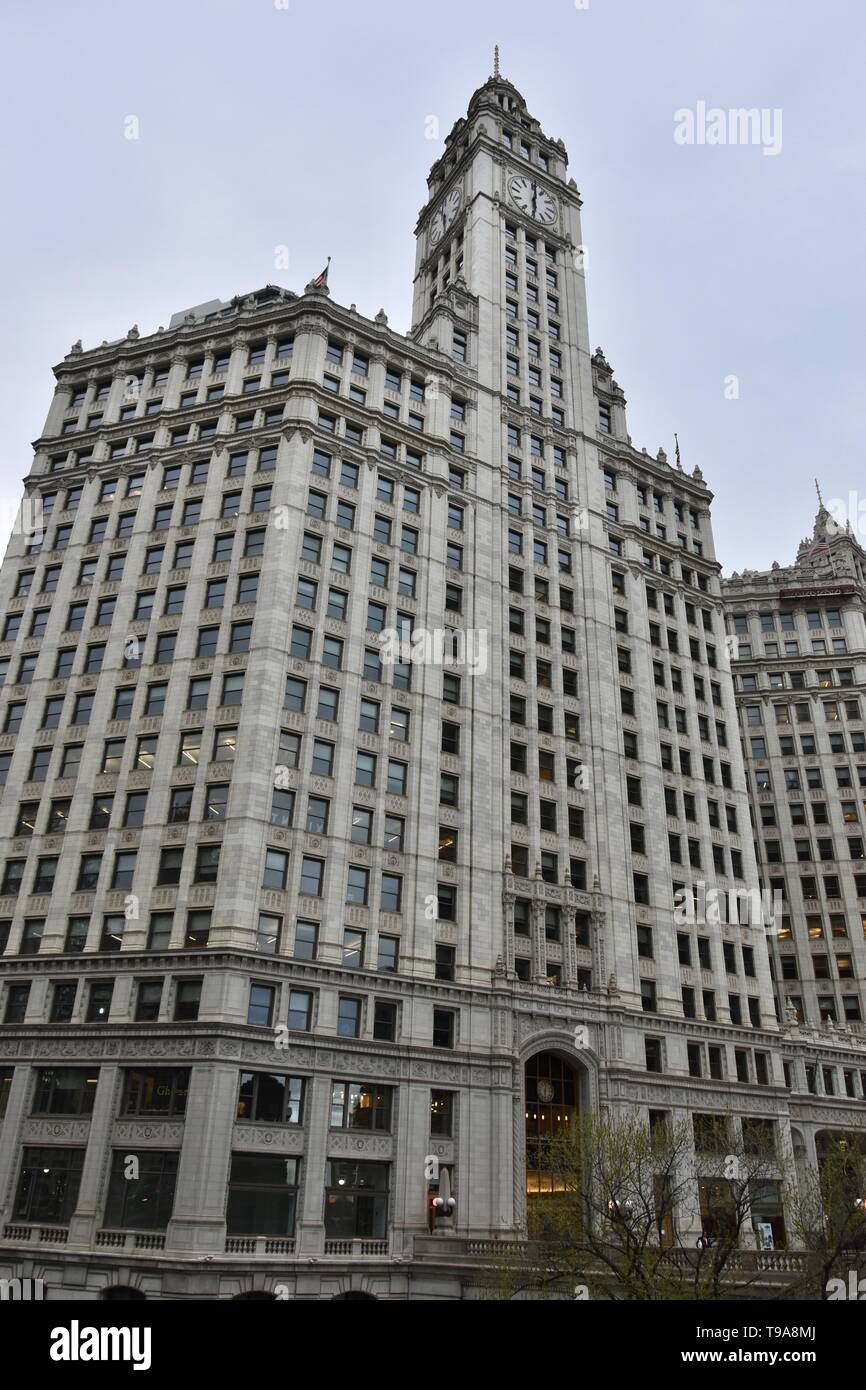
x,y
551,1105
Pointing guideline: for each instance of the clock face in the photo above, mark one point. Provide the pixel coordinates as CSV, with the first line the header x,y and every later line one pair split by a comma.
x,y
437,227
451,206
445,216
531,198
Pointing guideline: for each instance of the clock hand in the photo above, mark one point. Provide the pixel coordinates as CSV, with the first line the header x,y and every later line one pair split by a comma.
x,y
534,197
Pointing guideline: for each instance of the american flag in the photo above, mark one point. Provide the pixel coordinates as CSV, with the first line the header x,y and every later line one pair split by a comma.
x,y
322,279
679,461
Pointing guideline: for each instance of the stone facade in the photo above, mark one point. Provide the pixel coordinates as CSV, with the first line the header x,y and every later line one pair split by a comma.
x,y
228,815
799,639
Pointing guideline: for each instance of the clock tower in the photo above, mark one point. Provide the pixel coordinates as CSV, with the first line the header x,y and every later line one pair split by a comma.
x,y
500,289
499,245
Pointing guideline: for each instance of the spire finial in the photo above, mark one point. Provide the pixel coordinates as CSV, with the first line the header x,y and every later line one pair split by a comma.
x,y
818,490
496,61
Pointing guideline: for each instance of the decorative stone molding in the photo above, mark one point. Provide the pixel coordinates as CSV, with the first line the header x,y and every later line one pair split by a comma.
x,y
38,1130
255,1137
350,1142
148,1132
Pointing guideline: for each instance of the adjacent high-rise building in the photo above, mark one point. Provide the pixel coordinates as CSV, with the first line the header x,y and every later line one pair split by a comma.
x,y
798,637
370,749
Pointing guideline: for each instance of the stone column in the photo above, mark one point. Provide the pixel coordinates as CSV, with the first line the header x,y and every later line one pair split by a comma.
x,y
569,946
539,943
116,394
597,924
270,352
310,1229
87,1217
509,898
59,406
147,378
412,1144
90,401
37,1001
198,1220
237,365
307,361
376,380
176,379
201,384
10,1134
122,1002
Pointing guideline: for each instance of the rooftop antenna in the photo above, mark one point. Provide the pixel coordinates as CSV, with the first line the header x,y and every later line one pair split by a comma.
x,y
818,490
496,61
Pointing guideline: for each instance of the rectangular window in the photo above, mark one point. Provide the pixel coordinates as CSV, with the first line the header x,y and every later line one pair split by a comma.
x,y
260,1010
361,1105
143,1202
48,1185
263,1188
356,1200
444,1028
271,1098
300,1012
348,1016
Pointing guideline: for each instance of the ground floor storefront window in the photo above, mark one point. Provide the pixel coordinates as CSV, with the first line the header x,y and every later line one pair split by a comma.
x,y
356,1200
263,1195
48,1185
141,1190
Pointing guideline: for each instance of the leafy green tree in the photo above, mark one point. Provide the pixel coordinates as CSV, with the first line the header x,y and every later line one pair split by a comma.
x,y
829,1216
608,1225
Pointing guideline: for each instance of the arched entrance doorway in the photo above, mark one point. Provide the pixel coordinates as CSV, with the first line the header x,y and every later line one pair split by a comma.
x,y
551,1091
116,1293
354,1293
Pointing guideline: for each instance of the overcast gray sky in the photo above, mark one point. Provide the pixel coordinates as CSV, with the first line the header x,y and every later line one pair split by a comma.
x,y
292,123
